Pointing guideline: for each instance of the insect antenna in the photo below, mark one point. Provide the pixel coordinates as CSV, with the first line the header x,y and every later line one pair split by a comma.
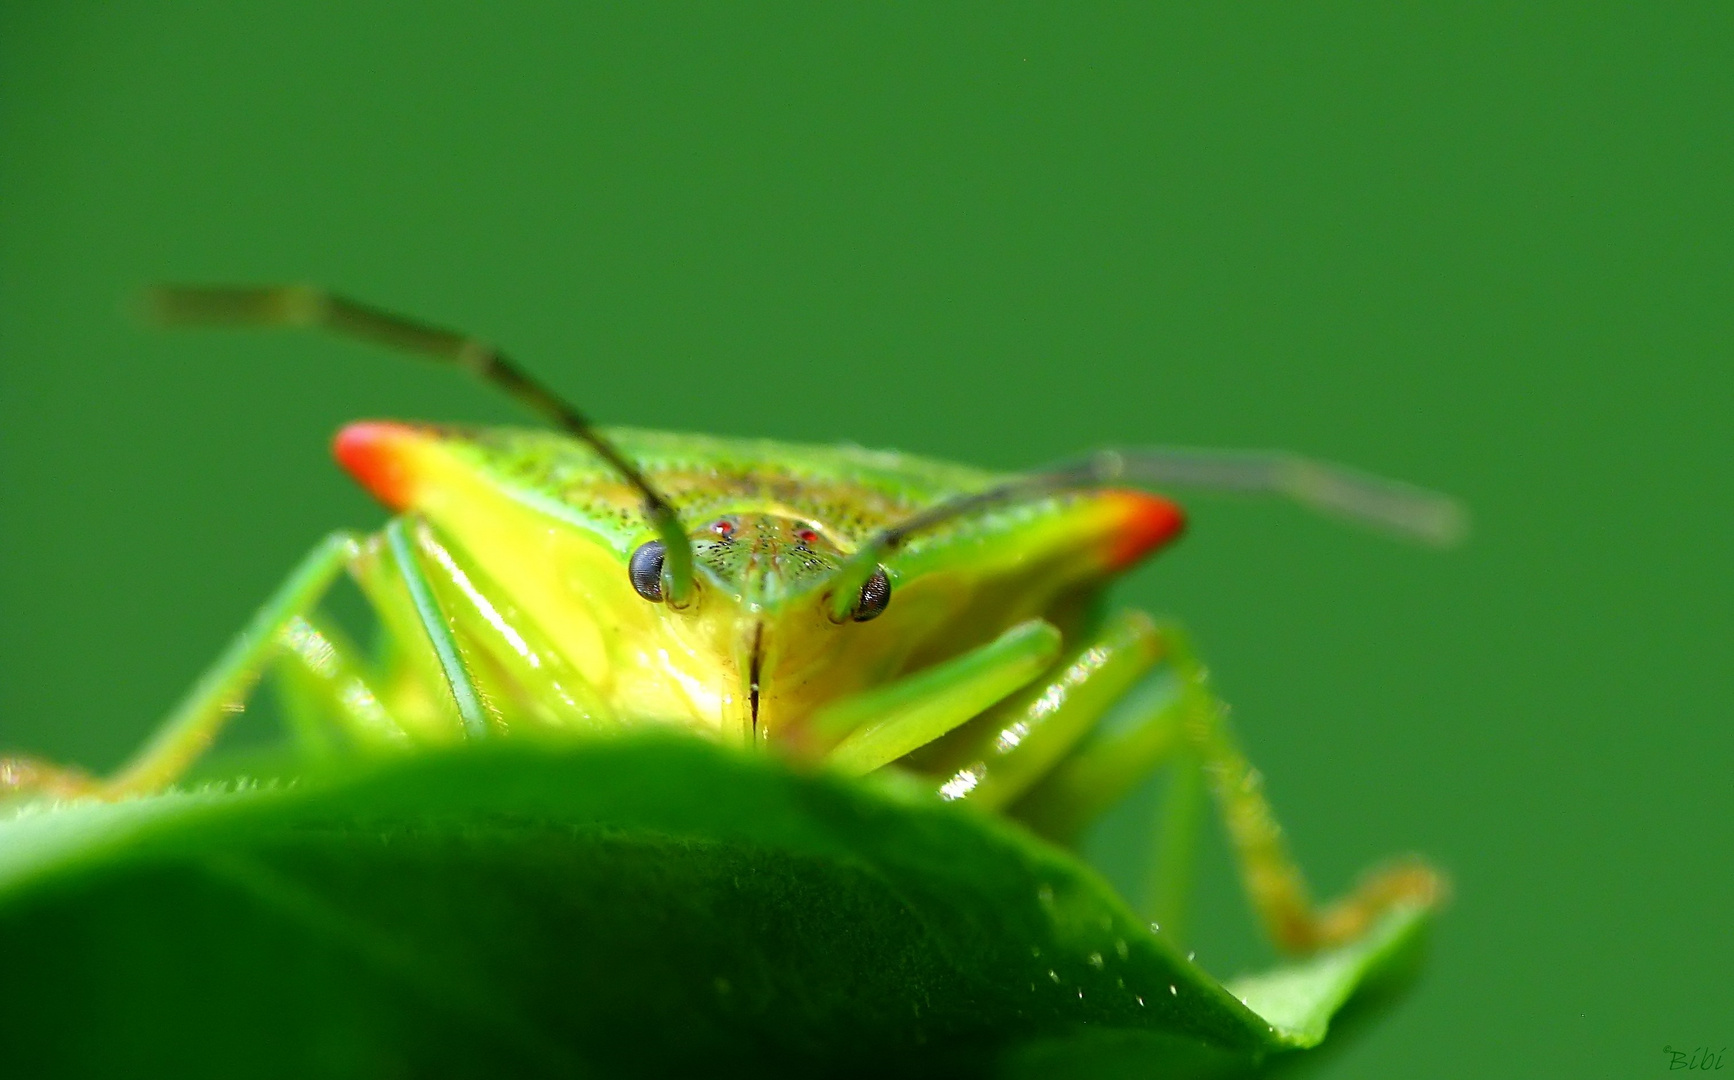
x,y
302,306
1388,506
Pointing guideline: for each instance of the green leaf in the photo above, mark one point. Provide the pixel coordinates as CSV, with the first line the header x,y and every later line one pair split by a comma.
x,y
626,907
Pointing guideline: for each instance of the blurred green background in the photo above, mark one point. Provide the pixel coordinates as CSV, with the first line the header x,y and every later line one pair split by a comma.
x,y
1485,249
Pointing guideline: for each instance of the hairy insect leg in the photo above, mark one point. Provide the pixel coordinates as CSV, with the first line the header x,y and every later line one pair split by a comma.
x,y
326,689
476,716
217,696
1168,877
1001,754
423,675
1271,877
458,656
1141,733
221,693
882,725
323,677
1193,729
27,774
506,652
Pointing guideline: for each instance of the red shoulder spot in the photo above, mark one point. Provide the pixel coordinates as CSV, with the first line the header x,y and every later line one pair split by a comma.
x,y
1144,523
375,453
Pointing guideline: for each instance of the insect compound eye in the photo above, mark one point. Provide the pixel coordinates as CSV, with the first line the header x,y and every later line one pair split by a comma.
x,y
807,535
723,527
875,596
645,570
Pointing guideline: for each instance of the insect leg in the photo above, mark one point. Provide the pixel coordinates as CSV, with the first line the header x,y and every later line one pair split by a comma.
x,y
327,691
455,643
221,693
1272,879
505,651
1142,732
999,755
427,690
472,713
214,699
1139,733
426,679
882,725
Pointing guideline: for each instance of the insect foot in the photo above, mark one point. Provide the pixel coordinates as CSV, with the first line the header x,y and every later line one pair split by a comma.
x,y
27,776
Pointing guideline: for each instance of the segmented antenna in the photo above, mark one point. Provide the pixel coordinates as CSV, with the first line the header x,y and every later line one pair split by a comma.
x,y
302,306
1388,506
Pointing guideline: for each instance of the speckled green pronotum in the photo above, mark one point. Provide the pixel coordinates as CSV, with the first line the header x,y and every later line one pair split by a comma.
x,y
861,609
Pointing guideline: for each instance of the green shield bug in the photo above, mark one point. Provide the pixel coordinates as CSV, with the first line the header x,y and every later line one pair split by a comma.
x,y
860,609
